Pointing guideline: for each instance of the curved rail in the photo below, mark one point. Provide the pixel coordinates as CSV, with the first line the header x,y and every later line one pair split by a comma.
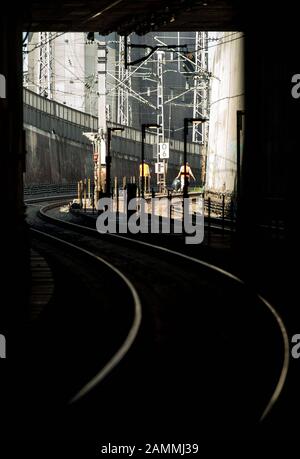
x,y
286,356
131,336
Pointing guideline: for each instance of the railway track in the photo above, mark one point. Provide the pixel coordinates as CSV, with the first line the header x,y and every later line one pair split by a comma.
x,y
174,255
184,346
132,333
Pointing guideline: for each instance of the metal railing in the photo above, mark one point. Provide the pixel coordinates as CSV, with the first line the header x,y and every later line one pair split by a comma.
x,y
45,189
130,133
57,110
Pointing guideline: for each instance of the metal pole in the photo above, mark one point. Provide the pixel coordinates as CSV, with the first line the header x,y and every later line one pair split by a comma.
x,y
185,134
161,178
93,197
102,125
99,173
84,193
239,127
108,162
80,196
143,160
185,191
223,214
125,52
209,216
117,195
95,179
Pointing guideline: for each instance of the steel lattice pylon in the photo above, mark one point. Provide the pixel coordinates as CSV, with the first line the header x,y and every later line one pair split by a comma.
x,y
45,65
161,177
201,88
124,113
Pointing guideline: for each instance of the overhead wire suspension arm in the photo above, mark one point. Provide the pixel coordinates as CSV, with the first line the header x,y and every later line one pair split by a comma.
x,y
144,46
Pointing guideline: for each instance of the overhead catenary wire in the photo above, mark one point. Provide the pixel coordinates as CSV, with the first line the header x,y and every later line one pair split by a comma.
x,y
80,79
90,80
132,92
221,43
44,43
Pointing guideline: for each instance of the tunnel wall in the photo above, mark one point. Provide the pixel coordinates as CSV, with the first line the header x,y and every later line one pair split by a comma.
x,y
227,96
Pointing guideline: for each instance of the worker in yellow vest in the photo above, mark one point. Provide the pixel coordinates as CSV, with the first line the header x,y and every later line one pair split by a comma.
x,y
147,176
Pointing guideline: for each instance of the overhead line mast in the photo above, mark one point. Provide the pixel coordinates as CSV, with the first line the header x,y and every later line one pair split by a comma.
x,y
45,65
124,112
161,174
201,88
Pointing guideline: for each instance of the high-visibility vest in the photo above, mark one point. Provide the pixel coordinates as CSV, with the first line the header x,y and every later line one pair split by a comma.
x,y
146,170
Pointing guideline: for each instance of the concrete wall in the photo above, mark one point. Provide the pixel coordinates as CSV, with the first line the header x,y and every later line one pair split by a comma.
x,y
227,96
54,159
57,151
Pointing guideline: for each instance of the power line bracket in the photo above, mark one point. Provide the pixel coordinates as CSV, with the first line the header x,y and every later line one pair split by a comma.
x,y
144,46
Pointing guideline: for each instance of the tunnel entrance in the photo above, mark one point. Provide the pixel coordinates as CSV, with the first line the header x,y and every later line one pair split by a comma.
x,y
83,91
237,152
